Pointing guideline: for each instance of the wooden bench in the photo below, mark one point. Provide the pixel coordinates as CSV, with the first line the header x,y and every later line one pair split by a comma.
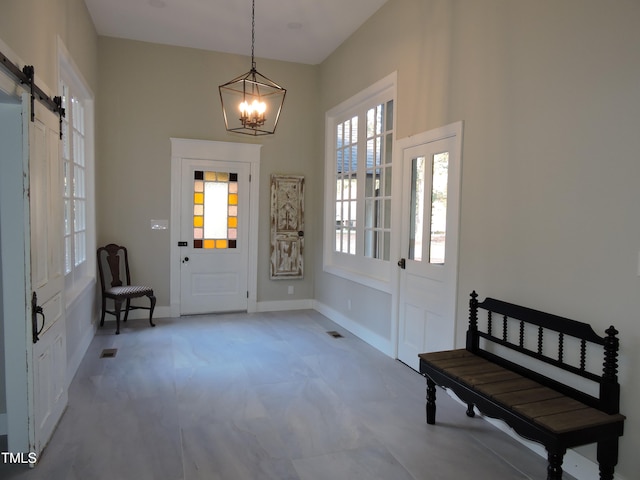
x,y
557,399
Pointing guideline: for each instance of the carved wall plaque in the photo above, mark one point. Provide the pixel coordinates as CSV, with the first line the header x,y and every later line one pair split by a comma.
x,y
287,226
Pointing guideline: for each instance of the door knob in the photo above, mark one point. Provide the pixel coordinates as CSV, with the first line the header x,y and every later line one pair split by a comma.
x,y
186,259
402,263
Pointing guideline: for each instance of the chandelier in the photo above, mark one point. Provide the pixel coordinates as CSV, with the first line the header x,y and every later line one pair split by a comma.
x,y
251,102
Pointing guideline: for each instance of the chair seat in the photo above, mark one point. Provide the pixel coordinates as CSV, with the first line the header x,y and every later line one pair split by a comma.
x,y
128,291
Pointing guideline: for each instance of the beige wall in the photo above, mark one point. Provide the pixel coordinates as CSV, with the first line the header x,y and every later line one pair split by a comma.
x,y
149,93
549,91
31,27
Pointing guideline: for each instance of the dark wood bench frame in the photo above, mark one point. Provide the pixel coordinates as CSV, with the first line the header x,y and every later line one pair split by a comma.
x,y
595,420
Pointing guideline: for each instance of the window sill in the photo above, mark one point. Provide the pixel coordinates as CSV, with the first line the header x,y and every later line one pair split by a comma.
x,y
380,284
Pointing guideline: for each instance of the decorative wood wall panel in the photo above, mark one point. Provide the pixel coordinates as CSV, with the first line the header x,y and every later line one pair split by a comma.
x,y
287,226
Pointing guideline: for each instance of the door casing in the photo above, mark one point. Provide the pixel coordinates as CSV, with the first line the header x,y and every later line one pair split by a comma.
x,y
189,149
452,131
214,280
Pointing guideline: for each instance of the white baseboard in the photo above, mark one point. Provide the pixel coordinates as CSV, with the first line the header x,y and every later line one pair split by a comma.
x,y
359,330
284,305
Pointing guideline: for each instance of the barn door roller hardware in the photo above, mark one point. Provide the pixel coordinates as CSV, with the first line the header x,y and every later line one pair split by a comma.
x,y
26,77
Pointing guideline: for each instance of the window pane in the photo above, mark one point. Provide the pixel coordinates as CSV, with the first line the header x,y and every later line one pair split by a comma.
x,y
370,184
78,176
354,130
386,254
387,182
67,255
369,244
389,125
379,119
387,214
439,208
67,217
78,215
417,208
80,248
370,214
388,144
215,209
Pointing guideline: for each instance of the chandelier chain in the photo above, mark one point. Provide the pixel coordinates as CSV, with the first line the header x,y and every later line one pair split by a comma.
x,y
253,33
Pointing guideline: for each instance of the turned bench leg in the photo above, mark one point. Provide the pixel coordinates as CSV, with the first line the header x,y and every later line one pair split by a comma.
x,y
470,412
431,402
607,457
554,468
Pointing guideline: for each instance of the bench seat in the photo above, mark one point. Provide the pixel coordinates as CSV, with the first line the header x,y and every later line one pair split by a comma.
x,y
534,402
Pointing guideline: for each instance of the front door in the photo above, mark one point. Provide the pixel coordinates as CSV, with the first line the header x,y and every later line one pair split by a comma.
x,y
214,236
428,275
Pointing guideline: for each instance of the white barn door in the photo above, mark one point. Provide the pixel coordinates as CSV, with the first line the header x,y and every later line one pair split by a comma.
x,y
49,351
31,235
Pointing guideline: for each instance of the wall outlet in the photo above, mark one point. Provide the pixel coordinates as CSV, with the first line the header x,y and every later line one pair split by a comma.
x,y
349,305
290,290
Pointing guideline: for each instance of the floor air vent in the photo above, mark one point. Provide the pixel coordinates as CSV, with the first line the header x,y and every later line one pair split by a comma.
x,y
334,334
108,353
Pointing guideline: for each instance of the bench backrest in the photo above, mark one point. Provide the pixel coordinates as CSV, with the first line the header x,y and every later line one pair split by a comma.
x,y
495,328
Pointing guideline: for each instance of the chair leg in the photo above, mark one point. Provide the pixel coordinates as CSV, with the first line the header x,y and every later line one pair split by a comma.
x,y
104,309
126,309
118,306
152,299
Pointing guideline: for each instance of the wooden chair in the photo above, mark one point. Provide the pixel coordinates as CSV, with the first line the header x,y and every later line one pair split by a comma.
x,y
116,259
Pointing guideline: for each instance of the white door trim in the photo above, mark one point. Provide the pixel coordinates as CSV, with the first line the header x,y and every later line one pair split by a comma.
x,y
184,148
441,133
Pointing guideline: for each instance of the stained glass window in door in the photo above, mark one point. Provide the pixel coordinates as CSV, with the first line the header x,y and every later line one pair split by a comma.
x,y
215,210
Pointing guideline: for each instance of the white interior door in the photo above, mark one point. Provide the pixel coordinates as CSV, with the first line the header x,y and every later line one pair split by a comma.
x,y
429,264
49,349
214,228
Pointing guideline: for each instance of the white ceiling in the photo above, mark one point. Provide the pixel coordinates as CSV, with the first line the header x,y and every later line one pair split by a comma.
x,y
303,31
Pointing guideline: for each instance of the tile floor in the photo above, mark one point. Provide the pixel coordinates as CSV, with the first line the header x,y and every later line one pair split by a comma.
x,y
262,396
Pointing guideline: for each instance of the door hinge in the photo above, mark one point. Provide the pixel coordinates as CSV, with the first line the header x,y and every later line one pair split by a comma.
x,y
247,293
249,178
